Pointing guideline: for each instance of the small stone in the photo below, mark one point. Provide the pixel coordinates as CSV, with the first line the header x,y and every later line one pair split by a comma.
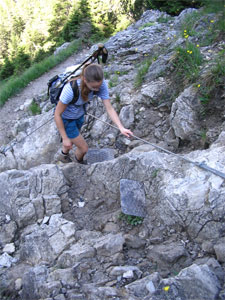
x,y
7,218
150,287
220,251
81,203
45,220
9,248
128,274
18,284
6,260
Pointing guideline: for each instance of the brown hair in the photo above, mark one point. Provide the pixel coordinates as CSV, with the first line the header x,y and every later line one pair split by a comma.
x,y
91,73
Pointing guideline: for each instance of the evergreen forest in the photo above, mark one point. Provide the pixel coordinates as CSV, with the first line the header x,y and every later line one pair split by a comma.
x,y
30,30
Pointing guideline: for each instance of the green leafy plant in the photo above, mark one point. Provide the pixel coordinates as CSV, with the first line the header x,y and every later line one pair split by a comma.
x,y
203,136
131,220
154,173
117,98
34,108
106,75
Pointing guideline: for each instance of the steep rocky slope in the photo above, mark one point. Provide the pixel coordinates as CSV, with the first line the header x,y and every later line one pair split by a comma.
x,y
62,233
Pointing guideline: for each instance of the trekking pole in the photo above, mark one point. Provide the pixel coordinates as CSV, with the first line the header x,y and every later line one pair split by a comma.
x,y
95,55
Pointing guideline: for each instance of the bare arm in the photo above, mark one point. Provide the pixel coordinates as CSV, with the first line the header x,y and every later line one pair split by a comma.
x,y
115,118
59,123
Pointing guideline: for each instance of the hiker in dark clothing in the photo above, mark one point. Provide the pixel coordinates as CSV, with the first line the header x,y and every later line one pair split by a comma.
x,y
69,118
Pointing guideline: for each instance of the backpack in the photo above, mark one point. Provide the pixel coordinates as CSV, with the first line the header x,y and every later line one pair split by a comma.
x,y
57,83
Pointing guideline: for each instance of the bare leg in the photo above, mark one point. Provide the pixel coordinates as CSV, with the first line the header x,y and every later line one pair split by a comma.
x,y
82,147
66,149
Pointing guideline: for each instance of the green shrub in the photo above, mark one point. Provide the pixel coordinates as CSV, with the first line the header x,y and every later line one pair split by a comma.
x,y
21,61
214,6
35,108
171,7
7,69
164,19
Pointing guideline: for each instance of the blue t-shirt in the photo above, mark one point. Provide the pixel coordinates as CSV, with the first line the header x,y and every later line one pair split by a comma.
x,y
75,111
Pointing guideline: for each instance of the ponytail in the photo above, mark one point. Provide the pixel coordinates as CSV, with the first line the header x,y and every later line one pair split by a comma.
x,y
91,73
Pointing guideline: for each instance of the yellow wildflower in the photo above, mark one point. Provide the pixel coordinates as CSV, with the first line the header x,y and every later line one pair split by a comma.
x,y
168,38
190,52
186,36
166,288
197,45
185,30
198,85
212,21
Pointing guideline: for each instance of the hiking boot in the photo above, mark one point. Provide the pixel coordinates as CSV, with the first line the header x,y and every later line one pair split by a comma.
x,y
82,161
64,158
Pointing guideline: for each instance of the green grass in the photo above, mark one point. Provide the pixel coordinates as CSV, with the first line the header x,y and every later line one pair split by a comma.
x,y
15,84
216,25
213,81
114,80
142,71
34,108
189,23
187,62
164,19
146,25
216,31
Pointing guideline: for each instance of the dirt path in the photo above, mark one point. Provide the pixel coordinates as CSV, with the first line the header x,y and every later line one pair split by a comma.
x,y
9,113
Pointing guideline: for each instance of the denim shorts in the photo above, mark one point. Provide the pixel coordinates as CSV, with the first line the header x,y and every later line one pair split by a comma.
x,y
72,127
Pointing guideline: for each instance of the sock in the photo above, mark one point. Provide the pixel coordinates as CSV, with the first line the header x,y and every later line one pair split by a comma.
x,y
64,153
81,160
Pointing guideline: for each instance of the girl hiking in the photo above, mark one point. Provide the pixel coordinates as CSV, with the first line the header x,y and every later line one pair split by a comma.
x,y
69,118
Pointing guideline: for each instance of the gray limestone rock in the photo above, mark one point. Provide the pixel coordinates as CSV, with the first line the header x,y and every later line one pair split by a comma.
x,y
132,196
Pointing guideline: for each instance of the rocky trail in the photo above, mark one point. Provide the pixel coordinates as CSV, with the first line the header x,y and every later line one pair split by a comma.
x,y
10,112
